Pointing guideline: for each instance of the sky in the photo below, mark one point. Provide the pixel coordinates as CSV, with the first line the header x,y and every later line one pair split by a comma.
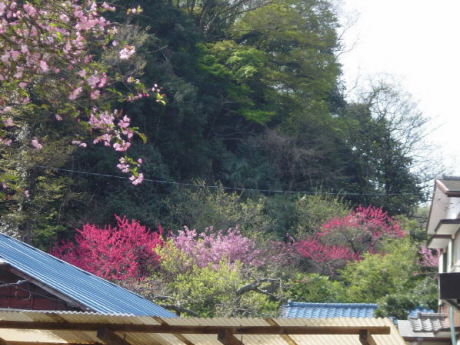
x,y
417,43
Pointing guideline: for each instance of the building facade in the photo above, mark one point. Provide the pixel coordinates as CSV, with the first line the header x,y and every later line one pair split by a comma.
x,y
443,230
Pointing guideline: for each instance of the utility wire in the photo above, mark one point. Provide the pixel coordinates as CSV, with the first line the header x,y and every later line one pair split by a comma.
x,y
241,189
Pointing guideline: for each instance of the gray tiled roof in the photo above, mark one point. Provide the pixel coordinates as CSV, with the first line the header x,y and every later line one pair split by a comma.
x,y
95,293
428,322
327,310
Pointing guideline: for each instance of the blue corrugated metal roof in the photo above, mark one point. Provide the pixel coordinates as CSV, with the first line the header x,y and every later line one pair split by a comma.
x,y
95,293
327,310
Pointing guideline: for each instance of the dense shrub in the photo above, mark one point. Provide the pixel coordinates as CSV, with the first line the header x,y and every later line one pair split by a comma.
x,y
217,289
203,207
211,247
343,239
120,252
315,210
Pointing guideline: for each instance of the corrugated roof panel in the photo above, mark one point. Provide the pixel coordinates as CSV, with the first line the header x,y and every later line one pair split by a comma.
x,y
91,291
327,310
203,339
350,322
261,339
218,321
79,337
151,339
18,335
345,339
74,337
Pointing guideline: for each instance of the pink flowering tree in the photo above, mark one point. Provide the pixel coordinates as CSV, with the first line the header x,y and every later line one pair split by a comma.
x,y
211,247
116,253
429,258
54,68
344,239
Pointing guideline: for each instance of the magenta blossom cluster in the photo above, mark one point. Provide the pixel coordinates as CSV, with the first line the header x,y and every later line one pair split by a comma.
x,y
321,253
343,239
121,252
372,220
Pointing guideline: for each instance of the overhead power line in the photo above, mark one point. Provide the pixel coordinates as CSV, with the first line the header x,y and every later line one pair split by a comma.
x,y
240,189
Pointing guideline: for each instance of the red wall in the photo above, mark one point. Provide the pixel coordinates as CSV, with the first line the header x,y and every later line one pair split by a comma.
x,y
27,295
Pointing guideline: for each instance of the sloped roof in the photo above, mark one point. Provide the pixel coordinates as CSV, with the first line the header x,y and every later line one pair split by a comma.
x,y
86,289
429,322
450,185
445,207
327,310
414,313
425,325
92,329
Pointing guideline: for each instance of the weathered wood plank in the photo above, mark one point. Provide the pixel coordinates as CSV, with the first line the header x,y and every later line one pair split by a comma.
x,y
110,338
194,329
287,338
228,338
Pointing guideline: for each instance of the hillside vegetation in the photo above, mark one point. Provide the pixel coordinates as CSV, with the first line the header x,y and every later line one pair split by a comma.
x,y
264,179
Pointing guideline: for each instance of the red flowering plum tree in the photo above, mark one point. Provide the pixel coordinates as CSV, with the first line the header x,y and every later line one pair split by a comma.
x,y
116,253
344,239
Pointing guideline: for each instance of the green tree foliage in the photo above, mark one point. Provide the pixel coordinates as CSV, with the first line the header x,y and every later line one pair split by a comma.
x,y
394,279
399,305
379,275
226,289
255,103
313,287
58,117
202,207
227,273
315,210
254,100
384,130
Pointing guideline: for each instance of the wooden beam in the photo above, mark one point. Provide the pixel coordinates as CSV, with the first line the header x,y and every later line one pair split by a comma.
x,y
226,337
85,342
363,337
287,338
366,338
177,336
110,338
193,329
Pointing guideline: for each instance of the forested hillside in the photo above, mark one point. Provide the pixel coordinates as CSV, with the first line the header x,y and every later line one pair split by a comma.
x,y
238,118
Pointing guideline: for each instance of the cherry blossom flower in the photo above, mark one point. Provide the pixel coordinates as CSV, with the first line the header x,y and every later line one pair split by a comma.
x,y
8,122
78,143
44,66
127,52
6,141
74,94
137,180
51,43
36,144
